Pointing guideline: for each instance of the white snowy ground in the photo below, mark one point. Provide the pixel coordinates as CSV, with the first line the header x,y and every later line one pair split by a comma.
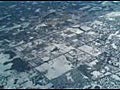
x,y
7,78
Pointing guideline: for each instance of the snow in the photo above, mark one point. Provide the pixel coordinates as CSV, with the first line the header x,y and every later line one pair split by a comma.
x,y
96,74
71,35
91,32
40,25
37,10
103,70
116,77
55,68
75,30
114,46
115,34
75,26
113,14
84,76
63,48
45,58
50,48
75,40
19,48
105,3
22,19
86,28
107,73
52,10
31,37
4,58
90,50
97,22
21,42
84,7
69,77
107,68
93,63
